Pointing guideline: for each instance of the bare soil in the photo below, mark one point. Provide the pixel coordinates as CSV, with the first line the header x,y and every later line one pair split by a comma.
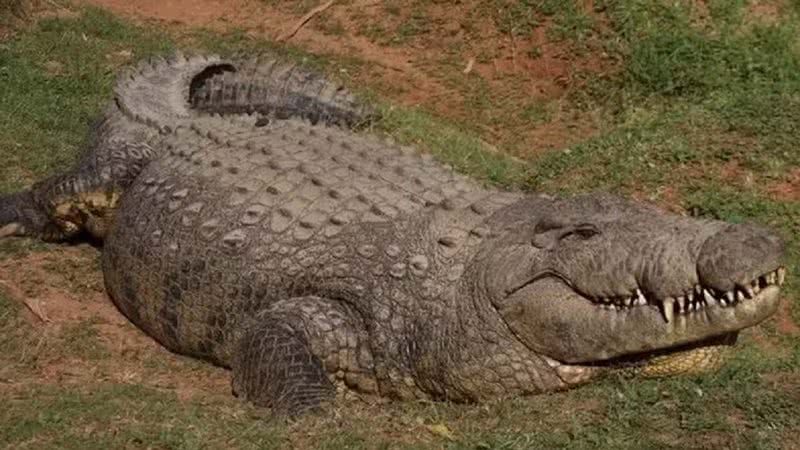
x,y
765,12
787,189
63,292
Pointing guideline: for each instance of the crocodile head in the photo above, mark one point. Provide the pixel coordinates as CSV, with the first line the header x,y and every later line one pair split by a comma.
x,y
597,281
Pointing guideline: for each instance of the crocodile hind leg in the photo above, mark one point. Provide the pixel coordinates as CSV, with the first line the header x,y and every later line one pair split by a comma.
x,y
59,208
290,355
62,207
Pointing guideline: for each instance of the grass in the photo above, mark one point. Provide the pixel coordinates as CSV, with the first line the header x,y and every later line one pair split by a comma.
x,y
521,18
692,96
65,66
122,416
701,116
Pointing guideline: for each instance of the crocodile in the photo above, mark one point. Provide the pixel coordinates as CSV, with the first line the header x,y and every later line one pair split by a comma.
x,y
264,234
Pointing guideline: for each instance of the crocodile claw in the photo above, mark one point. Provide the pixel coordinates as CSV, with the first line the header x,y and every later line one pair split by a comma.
x,y
12,229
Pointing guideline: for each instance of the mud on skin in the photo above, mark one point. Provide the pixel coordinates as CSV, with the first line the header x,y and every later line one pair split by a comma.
x,y
246,223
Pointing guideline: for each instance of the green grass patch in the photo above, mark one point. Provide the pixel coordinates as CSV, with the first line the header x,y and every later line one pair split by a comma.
x,y
520,18
697,92
55,78
126,416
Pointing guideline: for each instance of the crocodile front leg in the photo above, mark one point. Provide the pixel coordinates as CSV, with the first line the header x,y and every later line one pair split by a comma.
x,y
290,355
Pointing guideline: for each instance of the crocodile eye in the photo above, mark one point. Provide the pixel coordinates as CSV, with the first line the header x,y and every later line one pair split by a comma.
x,y
582,232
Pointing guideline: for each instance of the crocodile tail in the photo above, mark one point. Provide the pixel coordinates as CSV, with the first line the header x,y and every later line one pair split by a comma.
x,y
156,91
279,90
163,93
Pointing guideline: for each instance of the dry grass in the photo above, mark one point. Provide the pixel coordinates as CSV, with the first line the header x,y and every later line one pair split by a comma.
x,y
16,9
14,13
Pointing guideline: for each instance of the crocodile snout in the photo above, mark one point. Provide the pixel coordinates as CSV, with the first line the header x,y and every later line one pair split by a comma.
x,y
738,254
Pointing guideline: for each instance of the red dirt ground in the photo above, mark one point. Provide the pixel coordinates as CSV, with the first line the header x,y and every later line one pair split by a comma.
x,y
63,291
787,189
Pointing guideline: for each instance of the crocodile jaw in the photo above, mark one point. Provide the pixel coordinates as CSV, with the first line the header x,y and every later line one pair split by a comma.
x,y
554,320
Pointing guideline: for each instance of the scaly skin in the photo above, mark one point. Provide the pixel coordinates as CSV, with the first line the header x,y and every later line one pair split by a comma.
x,y
306,257
150,101
386,273
277,91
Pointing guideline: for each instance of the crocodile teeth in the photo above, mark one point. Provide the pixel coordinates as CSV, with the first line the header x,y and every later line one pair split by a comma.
x,y
696,298
730,296
681,303
667,309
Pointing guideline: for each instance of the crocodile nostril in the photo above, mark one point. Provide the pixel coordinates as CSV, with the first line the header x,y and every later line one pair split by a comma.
x,y
737,254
